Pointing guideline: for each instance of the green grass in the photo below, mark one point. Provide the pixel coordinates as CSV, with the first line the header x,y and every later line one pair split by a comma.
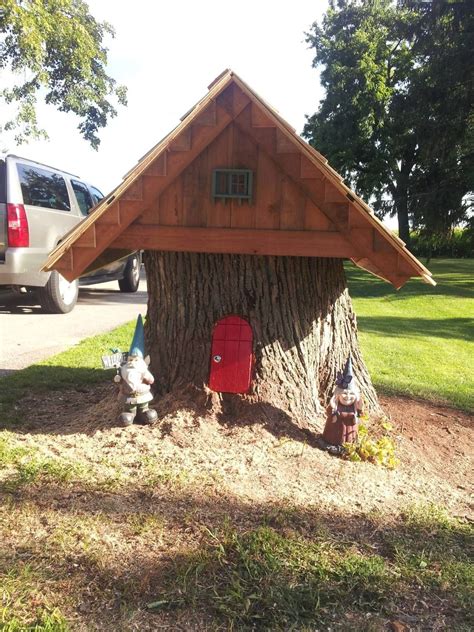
x,y
44,622
282,577
20,588
23,465
76,367
419,341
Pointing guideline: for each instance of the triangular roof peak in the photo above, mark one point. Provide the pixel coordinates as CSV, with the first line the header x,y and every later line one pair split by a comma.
x,y
328,218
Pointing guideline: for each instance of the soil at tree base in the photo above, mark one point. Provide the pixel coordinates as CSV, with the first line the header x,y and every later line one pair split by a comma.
x,y
257,458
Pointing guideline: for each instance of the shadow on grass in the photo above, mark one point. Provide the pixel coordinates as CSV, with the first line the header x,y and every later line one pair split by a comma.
x,y
259,566
40,382
398,327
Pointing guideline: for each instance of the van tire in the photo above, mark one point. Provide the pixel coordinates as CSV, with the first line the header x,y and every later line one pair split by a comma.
x,y
58,296
131,275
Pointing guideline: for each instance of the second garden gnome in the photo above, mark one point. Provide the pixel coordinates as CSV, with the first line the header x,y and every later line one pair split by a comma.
x,y
344,410
134,381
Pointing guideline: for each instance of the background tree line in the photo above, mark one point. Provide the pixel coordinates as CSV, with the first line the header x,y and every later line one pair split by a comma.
x,y
397,119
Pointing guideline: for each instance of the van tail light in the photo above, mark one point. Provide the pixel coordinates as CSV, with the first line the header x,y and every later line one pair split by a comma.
x,y
18,232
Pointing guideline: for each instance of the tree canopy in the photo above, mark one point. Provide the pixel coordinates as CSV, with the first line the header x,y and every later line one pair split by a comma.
x,y
397,118
54,49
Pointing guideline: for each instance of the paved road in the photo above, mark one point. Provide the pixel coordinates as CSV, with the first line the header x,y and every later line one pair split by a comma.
x,y
27,335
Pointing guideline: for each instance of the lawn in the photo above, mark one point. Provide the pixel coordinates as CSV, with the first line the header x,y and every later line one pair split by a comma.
x,y
193,524
419,341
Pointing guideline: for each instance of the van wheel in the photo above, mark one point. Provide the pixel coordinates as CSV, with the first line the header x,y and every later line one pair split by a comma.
x,y
58,296
131,275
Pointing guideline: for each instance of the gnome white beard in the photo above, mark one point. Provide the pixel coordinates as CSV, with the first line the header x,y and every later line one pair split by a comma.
x,y
133,373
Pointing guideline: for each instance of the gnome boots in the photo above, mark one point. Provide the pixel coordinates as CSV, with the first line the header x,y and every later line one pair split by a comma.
x,y
146,416
143,415
126,418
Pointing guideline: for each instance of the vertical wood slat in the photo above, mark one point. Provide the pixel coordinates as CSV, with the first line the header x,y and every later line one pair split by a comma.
x,y
111,217
292,206
195,192
66,264
259,118
134,191
308,170
219,156
332,194
183,142
208,117
285,145
151,215
158,167
314,218
268,190
170,211
87,239
380,244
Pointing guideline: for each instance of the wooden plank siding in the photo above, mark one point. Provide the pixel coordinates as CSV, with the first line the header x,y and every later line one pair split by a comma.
x,y
295,243
278,201
300,205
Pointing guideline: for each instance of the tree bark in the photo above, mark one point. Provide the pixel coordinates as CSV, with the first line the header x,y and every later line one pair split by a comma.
x,y
298,307
401,203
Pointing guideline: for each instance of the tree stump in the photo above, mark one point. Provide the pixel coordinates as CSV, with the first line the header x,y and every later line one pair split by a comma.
x,y
298,307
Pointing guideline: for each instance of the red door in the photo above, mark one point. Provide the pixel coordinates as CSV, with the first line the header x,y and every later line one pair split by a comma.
x,y
231,356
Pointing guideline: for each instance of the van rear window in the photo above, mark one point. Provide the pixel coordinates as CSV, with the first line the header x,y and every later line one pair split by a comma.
x,y
43,188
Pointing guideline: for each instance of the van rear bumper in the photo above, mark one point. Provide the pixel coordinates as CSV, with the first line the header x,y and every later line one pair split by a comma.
x,y
22,267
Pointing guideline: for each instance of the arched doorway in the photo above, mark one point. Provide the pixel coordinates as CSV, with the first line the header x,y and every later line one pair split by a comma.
x,y
231,355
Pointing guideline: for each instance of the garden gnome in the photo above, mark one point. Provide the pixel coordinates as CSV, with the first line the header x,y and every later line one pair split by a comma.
x,y
134,380
343,411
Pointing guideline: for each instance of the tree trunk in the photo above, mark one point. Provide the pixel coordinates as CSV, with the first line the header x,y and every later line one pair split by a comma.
x,y
298,307
401,203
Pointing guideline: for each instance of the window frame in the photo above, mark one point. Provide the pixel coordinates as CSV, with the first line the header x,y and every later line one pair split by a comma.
x,y
66,204
85,188
229,193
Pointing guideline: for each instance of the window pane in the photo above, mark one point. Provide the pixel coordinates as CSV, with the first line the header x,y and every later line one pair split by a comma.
x,y
97,196
232,183
43,188
239,184
221,182
82,196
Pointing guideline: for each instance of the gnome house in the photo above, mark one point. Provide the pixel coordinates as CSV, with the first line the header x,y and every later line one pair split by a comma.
x,y
245,229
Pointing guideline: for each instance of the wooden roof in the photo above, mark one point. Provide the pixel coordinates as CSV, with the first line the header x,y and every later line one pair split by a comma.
x,y
119,222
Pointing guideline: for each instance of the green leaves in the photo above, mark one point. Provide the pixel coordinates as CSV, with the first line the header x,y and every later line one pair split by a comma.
x,y
58,46
397,116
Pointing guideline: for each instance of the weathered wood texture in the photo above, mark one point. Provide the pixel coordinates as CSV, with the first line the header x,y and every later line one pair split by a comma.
x,y
278,202
294,190
294,243
299,310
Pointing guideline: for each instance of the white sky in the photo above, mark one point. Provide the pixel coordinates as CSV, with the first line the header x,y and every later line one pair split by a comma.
x,y
167,53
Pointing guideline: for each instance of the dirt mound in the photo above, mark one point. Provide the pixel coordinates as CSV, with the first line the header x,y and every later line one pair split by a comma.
x,y
258,456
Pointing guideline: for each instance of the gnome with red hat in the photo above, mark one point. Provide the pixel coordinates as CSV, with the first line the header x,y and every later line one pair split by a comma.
x,y
134,381
344,410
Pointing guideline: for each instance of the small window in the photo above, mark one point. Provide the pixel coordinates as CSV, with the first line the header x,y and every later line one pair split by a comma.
x,y
97,196
83,196
43,188
232,183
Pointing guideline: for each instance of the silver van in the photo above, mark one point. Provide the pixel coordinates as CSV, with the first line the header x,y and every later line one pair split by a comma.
x,y
38,205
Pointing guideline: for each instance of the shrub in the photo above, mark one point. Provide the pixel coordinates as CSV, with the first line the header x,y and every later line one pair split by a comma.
x,y
458,244
375,449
